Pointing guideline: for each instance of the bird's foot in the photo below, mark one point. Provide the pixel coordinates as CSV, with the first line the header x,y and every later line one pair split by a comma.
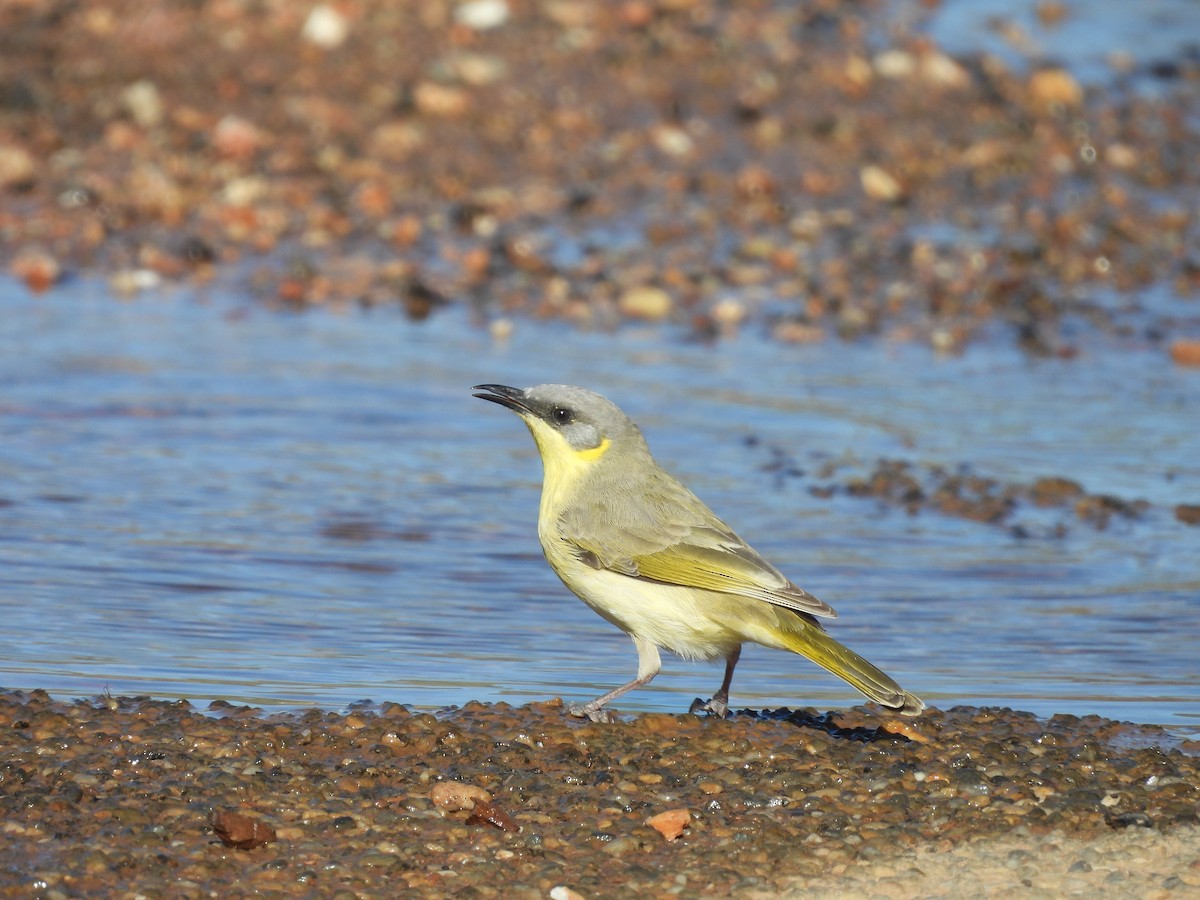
x,y
595,713
714,707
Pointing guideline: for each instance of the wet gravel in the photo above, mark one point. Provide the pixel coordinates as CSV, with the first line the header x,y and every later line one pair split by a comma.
x,y
809,170
1047,507
116,796
1050,506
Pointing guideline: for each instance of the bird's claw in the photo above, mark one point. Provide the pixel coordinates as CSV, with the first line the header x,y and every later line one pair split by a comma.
x,y
595,714
714,707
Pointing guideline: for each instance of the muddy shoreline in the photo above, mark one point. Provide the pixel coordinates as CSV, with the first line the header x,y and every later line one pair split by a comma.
x,y
114,795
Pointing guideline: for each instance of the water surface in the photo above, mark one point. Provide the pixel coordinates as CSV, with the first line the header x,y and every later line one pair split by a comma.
x,y
1095,39
203,498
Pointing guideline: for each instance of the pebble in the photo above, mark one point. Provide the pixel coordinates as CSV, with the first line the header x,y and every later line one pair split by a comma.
x,y
326,27
441,100
17,167
943,71
645,302
1188,513
879,184
670,824
38,269
482,15
455,795
895,63
1055,88
236,138
144,103
1186,352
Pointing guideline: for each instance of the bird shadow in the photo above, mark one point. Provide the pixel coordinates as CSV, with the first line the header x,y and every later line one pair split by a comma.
x,y
828,722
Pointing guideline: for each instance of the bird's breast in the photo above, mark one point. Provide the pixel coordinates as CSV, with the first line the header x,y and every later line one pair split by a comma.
x,y
694,624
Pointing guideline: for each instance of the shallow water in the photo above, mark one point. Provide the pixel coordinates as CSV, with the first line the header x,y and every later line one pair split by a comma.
x,y
1095,39
204,498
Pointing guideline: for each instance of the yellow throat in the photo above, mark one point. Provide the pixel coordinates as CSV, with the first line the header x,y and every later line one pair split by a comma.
x,y
563,464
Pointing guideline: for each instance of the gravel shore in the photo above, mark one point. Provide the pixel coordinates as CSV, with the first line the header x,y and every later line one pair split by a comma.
x,y
811,170
1131,864
119,796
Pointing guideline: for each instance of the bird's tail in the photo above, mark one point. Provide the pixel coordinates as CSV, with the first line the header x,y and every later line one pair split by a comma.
x,y
812,641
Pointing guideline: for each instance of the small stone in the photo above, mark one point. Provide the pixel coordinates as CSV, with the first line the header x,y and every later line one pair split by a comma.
x,y
456,795
36,268
1186,352
484,812
569,13
673,140
241,831
130,817
443,101
895,64
670,824
858,71
754,183
905,729
1131,820
879,184
645,302
635,13
144,103
395,142
376,859
325,27
1055,491
729,313
1121,156
1051,12
236,138
17,168
1054,88
478,69
798,333
127,282
941,70
1188,513
245,191
482,15
620,846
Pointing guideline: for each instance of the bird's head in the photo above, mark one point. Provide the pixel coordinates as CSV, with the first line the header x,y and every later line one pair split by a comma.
x,y
571,425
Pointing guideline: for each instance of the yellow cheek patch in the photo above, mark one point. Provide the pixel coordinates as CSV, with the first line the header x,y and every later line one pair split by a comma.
x,y
563,464
595,452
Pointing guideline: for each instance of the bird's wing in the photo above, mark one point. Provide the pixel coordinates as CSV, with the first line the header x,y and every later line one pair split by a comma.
x,y
678,540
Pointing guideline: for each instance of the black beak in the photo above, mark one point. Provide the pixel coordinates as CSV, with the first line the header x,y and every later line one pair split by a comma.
x,y
513,398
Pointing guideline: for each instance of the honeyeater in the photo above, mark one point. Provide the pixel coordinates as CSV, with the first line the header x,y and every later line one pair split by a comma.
x,y
645,553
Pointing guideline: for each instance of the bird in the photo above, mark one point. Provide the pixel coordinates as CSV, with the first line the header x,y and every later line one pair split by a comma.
x,y
646,554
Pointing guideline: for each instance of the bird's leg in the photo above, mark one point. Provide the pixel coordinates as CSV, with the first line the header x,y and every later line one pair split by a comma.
x,y
649,663
719,704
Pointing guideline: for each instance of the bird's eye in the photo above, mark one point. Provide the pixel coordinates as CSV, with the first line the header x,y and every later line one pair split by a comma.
x,y
562,416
